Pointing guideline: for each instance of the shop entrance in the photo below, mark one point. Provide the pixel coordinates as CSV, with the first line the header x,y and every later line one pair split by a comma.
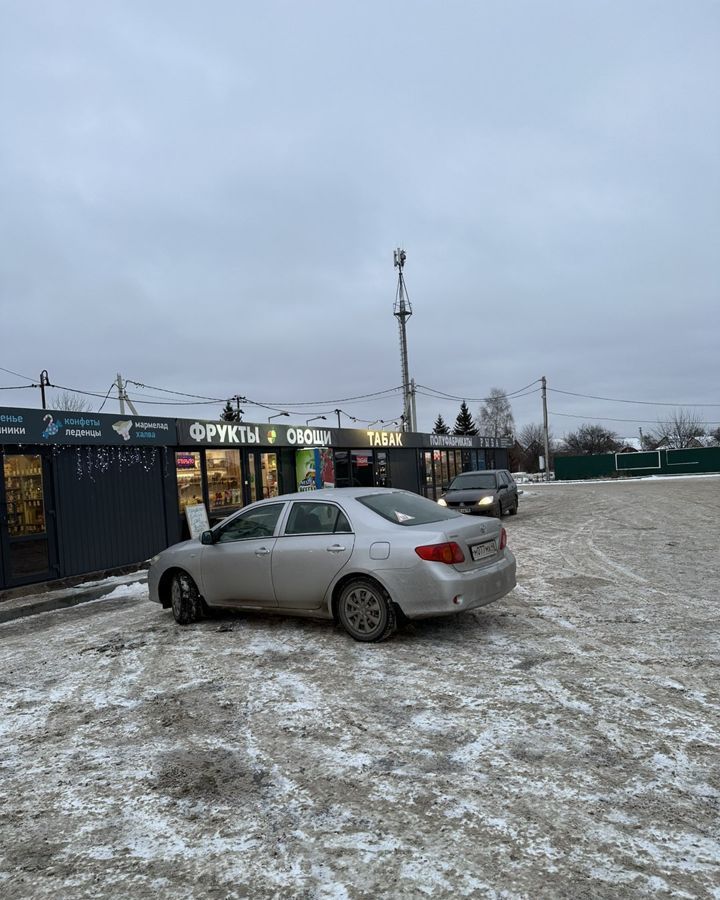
x,y
26,554
224,480
356,468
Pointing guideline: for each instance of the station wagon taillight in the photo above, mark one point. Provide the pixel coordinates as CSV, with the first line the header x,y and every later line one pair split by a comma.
x,y
503,539
449,553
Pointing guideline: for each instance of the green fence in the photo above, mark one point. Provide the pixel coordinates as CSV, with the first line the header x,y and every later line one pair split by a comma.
x,y
649,462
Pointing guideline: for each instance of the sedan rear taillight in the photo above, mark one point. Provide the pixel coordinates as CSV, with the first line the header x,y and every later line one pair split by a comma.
x,y
503,539
449,553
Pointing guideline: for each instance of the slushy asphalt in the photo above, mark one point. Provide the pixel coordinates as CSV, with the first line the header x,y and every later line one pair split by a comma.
x,y
39,598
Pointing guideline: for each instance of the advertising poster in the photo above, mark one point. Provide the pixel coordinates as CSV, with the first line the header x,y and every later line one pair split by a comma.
x,y
314,469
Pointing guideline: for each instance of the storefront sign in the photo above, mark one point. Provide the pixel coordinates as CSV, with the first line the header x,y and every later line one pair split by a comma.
x,y
39,426
233,433
465,440
451,440
385,438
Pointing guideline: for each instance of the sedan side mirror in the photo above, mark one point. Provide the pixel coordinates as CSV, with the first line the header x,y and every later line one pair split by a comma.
x,y
207,537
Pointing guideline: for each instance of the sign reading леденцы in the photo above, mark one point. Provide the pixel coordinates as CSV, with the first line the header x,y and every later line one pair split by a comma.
x,y
197,519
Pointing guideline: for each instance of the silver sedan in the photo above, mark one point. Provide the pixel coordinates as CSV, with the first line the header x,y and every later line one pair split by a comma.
x,y
361,556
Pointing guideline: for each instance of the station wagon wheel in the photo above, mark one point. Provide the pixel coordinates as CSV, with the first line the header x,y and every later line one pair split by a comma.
x,y
498,513
185,599
365,611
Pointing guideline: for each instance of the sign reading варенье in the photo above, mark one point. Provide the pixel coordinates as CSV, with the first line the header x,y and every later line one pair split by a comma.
x,y
41,426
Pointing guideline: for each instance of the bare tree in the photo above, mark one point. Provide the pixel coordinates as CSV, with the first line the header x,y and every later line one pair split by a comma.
x,y
682,429
495,417
590,439
70,402
713,438
531,439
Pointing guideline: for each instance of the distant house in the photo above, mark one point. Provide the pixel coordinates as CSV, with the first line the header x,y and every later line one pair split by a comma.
x,y
627,448
690,444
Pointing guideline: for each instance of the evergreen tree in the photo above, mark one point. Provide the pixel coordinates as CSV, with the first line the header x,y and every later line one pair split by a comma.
x,y
464,423
440,427
229,414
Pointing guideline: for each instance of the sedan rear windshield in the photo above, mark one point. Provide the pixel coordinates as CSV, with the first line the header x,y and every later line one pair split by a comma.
x,y
473,482
406,509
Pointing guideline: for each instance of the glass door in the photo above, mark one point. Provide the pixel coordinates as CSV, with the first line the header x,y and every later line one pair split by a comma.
x,y
269,467
23,519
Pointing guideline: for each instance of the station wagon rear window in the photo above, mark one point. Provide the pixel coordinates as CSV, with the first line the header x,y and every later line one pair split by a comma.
x,y
406,509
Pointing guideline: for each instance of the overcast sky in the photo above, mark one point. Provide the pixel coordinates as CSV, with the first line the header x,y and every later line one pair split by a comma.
x,y
205,197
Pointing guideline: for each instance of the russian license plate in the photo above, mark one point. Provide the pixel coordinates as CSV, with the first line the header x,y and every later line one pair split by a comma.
x,y
464,508
480,551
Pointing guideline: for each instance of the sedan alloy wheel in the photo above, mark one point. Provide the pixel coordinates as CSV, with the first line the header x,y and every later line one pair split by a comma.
x,y
365,611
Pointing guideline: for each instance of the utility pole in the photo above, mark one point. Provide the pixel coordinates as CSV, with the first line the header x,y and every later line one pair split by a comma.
x,y
545,428
641,436
123,397
412,402
338,411
402,312
44,382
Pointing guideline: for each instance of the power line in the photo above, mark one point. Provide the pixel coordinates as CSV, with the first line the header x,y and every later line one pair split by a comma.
x,y
639,402
112,385
609,419
274,405
513,394
355,399
16,374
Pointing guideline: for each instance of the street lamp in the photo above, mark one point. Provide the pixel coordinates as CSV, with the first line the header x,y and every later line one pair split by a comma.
x,y
375,423
278,416
389,423
314,419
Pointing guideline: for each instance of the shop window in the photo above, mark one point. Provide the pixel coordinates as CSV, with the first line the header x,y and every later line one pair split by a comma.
x,y
189,479
24,495
443,472
251,479
362,468
224,481
428,474
26,525
269,472
342,468
381,469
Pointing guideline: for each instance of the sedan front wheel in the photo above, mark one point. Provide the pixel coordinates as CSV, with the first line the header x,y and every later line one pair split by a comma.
x,y
186,600
365,611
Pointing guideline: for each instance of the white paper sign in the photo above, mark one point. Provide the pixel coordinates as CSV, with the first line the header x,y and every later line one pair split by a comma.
x,y
197,519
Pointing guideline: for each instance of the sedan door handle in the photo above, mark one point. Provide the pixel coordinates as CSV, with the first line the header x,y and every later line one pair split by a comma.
x,y
262,551
336,548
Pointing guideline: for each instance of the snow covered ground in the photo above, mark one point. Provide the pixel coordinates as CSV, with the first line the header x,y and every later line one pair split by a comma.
x,y
560,743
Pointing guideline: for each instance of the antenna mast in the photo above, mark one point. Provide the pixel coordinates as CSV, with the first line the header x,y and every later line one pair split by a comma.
x,y
402,311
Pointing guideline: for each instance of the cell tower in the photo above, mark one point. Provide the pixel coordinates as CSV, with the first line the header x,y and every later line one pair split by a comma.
x,y
402,312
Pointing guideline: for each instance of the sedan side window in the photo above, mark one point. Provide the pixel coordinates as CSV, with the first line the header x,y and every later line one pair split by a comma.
x,y
316,518
255,523
342,526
